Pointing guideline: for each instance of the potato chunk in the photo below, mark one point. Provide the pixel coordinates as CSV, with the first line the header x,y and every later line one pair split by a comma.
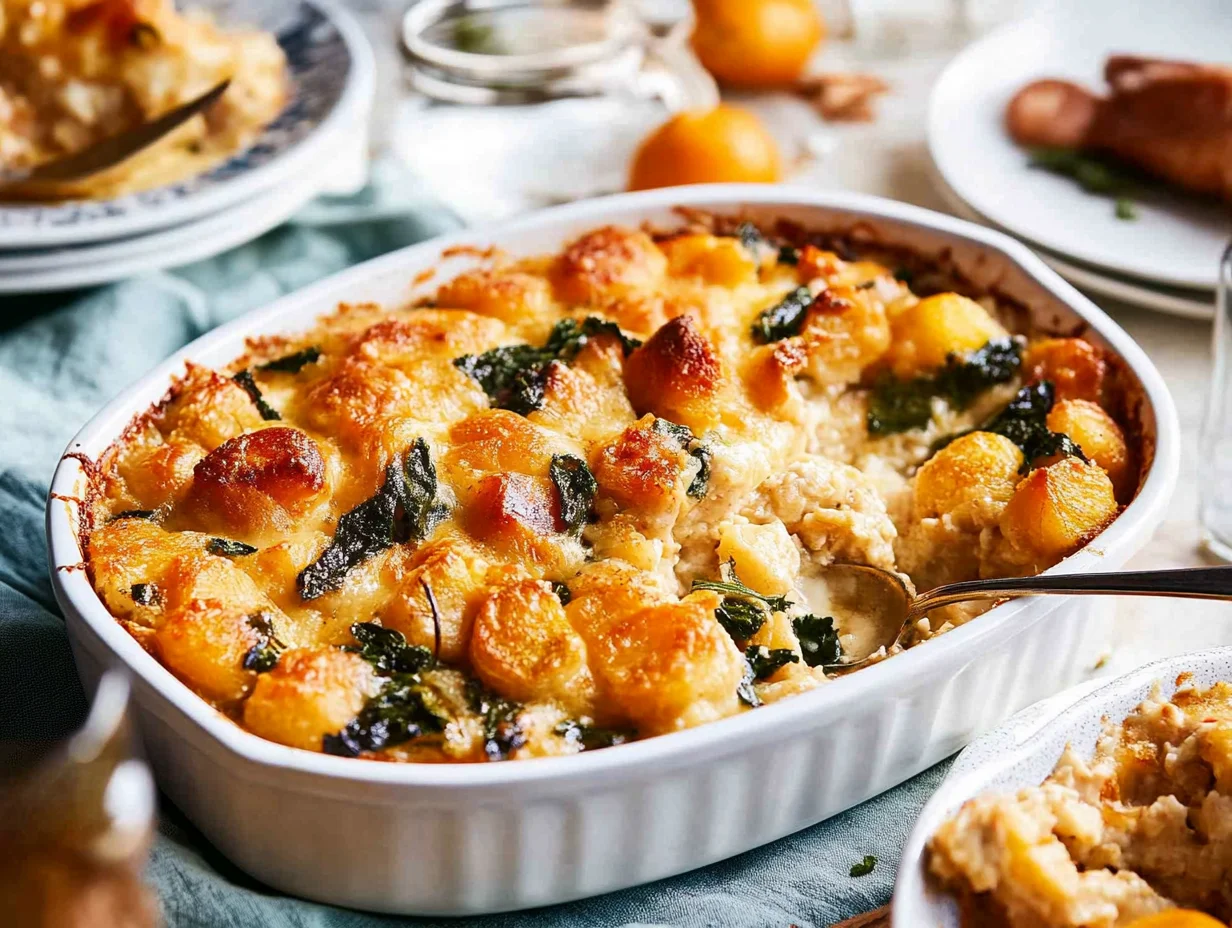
x,y
516,514
1075,367
844,332
710,259
508,295
310,693
765,557
607,264
975,467
1099,437
1057,509
523,647
498,440
204,644
940,325
642,469
676,375
669,666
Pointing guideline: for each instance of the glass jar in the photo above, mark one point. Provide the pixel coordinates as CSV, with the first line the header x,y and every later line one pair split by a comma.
x,y
516,104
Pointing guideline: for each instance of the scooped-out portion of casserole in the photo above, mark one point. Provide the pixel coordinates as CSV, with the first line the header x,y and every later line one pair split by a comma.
x,y
581,498
1143,826
73,72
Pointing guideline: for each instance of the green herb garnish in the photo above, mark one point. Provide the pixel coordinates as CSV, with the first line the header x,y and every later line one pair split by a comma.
x,y
1125,209
1092,174
789,254
590,738
387,650
741,618
698,451
244,379
515,376
745,690
263,656
292,363
1024,422
765,661
146,594
734,587
864,867
785,318
818,640
405,508
229,548
900,405
405,708
577,488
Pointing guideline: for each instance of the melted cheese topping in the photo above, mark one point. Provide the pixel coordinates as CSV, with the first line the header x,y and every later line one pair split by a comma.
x,y
73,73
549,562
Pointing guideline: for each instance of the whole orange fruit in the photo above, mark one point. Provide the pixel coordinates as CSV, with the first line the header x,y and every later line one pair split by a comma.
x,y
756,43
706,146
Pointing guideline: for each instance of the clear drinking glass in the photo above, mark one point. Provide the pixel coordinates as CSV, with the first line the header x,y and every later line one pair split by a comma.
x,y
1215,443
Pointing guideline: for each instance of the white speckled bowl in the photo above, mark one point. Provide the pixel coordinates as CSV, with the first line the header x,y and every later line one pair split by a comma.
x,y
1021,753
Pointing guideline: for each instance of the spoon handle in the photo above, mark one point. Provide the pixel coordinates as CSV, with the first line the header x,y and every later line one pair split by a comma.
x,y
1189,582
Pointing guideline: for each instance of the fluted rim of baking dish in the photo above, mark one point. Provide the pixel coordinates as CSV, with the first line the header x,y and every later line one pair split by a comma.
x,y
938,657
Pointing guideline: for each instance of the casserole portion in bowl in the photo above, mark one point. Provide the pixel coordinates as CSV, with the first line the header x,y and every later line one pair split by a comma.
x,y
74,72
1142,826
581,498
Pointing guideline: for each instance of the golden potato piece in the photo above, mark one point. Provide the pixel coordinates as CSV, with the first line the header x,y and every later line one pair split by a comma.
x,y
516,514
204,643
161,473
711,259
208,408
496,440
1075,367
938,326
642,469
509,295
844,332
974,467
764,556
1100,439
523,647
310,693
669,666
676,375
1058,508
607,264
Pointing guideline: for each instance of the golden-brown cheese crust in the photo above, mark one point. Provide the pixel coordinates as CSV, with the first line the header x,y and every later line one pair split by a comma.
x,y
590,620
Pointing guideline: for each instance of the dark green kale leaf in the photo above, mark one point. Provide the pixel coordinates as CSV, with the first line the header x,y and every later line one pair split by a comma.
x,y
590,738
263,655
900,405
1024,422
405,508
765,661
292,363
1092,174
134,514
785,318
745,690
741,618
865,866
698,451
502,731
229,548
387,650
818,640
515,376
577,488
789,255
146,594
244,379
562,591
405,708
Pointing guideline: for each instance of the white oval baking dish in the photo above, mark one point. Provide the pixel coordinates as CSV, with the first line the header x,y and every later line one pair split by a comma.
x,y
491,837
1022,753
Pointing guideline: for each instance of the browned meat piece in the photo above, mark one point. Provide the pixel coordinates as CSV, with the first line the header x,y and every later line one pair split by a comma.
x,y
1172,119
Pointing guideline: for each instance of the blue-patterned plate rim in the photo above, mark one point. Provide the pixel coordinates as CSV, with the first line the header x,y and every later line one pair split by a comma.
x,y
333,76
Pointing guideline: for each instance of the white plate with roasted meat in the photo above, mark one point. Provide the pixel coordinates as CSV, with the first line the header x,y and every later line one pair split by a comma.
x,y
1099,135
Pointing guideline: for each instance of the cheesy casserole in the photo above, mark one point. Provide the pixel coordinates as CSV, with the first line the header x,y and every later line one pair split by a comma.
x,y
1141,827
586,497
73,72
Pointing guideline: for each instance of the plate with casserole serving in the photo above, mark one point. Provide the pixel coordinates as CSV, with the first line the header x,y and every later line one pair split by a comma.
x,y
1113,811
519,538
72,73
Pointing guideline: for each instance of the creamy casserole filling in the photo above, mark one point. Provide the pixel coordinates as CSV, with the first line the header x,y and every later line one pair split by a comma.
x,y
591,496
73,72
1141,827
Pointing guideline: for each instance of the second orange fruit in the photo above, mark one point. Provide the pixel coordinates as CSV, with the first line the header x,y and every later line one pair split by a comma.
x,y
725,144
756,43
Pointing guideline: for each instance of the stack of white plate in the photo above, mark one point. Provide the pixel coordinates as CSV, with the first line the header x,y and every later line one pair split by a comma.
x,y
316,145
1166,258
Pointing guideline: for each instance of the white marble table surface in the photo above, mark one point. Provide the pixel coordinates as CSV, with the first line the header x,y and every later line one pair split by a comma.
x,y
888,157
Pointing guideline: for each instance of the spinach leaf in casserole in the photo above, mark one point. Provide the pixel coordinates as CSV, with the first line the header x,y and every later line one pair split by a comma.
x,y
406,507
818,640
387,650
577,487
743,611
1024,421
292,363
698,451
785,318
588,737
263,656
405,708
766,661
900,405
515,376
245,380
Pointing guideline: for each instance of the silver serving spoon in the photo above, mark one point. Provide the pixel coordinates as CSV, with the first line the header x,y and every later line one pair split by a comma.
x,y
112,150
884,596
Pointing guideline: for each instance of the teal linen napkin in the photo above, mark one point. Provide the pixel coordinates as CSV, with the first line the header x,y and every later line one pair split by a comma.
x,y
63,356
